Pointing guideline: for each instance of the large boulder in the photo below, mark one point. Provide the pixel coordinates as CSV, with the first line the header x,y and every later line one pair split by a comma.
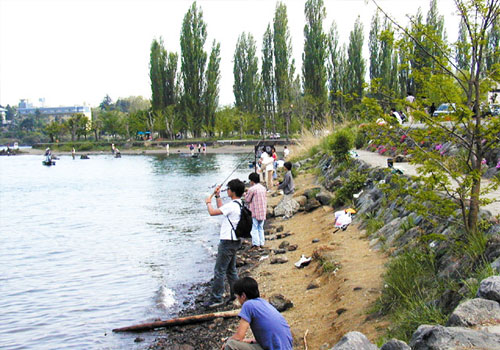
x,y
474,312
489,288
395,344
452,338
286,207
302,200
354,341
312,192
324,197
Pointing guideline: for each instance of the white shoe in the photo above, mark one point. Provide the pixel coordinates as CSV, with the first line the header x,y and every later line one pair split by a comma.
x,y
303,261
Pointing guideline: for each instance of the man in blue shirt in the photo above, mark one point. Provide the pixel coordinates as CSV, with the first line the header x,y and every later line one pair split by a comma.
x,y
270,329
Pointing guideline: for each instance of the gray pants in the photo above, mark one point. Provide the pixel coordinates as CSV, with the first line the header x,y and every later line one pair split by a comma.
x,y
232,344
225,265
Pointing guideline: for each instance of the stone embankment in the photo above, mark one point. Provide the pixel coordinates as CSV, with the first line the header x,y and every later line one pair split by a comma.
x,y
474,323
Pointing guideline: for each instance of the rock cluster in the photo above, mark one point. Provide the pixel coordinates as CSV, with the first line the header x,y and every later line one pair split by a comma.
x,y
473,325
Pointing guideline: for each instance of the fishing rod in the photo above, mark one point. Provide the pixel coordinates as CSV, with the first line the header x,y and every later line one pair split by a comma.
x,y
238,165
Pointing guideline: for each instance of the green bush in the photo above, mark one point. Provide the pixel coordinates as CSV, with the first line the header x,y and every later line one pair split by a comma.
x,y
338,144
354,184
360,140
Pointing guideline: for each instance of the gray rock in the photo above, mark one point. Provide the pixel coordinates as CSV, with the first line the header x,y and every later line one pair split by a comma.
x,y
354,341
489,288
495,265
312,204
286,207
452,338
280,260
395,344
284,244
324,198
474,312
292,247
280,302
313,285
302,200
269,212
315,240
279,251
280,228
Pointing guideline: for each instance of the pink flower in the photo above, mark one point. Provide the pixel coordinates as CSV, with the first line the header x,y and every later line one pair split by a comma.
x,y
483,162
438,147
442,153
498,164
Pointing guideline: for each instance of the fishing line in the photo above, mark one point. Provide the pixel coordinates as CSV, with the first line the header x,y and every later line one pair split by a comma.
x,y
238,165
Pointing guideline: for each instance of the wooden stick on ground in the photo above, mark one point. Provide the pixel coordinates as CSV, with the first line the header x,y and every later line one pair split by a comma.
x,y
178,321
305,339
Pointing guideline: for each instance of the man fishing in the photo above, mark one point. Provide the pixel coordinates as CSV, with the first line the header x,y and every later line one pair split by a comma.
x,y
225,263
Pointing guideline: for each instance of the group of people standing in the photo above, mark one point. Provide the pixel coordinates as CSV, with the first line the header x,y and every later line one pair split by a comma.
x,y
200,148
268,164
269,327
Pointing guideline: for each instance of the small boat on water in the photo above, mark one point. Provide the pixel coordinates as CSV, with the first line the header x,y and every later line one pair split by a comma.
x,y
48,162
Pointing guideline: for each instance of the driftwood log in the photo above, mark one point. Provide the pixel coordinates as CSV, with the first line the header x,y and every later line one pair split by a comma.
x,y
178,321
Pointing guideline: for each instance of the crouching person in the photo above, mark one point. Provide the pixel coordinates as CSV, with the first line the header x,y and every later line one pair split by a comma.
x,y
270,329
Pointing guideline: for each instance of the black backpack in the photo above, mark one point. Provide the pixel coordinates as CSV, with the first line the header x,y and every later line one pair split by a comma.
x,y
244,226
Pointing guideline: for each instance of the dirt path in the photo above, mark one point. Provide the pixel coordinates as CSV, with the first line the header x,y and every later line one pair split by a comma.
x,y
342,300
376,160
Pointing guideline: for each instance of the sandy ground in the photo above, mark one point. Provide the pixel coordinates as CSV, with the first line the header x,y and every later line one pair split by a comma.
x,y
376,160
342,301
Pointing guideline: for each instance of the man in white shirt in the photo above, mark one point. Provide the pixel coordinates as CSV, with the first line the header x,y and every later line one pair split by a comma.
x,y
286,152
267,166
229,244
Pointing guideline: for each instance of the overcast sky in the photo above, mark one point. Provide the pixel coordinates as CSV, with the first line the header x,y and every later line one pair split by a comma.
x,y
77,51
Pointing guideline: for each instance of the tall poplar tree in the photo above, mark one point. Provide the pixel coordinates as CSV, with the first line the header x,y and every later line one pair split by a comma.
x,y
211,95
170,87
157,74
314,56
462,48
193,62
334,68
374,47
268,81
356,67
246,77
283,63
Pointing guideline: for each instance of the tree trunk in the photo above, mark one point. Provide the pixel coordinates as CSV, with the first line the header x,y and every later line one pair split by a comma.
x,y
177,321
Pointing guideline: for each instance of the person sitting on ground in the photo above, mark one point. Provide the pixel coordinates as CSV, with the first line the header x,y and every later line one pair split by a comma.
x,y
396,115
257,202
269,327
229,244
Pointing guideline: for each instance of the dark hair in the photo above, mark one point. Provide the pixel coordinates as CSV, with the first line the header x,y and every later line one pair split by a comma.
x,y
248,286
288,165
254,177
237,187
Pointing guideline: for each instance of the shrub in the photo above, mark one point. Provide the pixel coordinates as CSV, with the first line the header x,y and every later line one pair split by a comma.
x,y
338,144
360,140
354,184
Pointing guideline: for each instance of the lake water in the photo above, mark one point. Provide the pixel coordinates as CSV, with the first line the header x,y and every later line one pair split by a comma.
x,y
91,245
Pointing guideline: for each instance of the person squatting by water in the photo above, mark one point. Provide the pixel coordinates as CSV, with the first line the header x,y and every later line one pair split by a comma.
x,y
229,244
269,327
256,199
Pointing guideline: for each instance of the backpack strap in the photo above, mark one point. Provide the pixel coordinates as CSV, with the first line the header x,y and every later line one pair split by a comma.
x,y
233,229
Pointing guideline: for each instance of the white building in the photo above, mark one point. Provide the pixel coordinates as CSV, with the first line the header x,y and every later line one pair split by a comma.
x,y
53,113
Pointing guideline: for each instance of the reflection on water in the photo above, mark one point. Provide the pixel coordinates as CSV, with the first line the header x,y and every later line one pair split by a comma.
x,y
90,245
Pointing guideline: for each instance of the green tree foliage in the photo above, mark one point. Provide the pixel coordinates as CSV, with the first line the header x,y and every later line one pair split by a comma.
x,y
193,62
54,130
106,103
246,77
157,74
268,81
211,95
284,69
314,57
493,51
462,48
356,67
334,68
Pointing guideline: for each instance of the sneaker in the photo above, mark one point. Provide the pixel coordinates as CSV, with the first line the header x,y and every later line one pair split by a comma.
x,y
212,303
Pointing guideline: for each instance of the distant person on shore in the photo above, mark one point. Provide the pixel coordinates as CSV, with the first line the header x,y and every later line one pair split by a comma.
x,y
267,168
204,148
199,148
167,147
410,99
229,244
191,148
73,152
286,152
113,149
257,202
269,327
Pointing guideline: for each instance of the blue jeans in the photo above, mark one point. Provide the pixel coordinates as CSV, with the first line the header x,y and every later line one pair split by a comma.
x,y
225,264
257,232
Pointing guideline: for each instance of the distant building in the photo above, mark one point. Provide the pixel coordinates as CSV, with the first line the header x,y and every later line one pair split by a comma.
x,y
53,113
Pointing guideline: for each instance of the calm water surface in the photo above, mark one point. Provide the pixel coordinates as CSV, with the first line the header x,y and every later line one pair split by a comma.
x,y
91,245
